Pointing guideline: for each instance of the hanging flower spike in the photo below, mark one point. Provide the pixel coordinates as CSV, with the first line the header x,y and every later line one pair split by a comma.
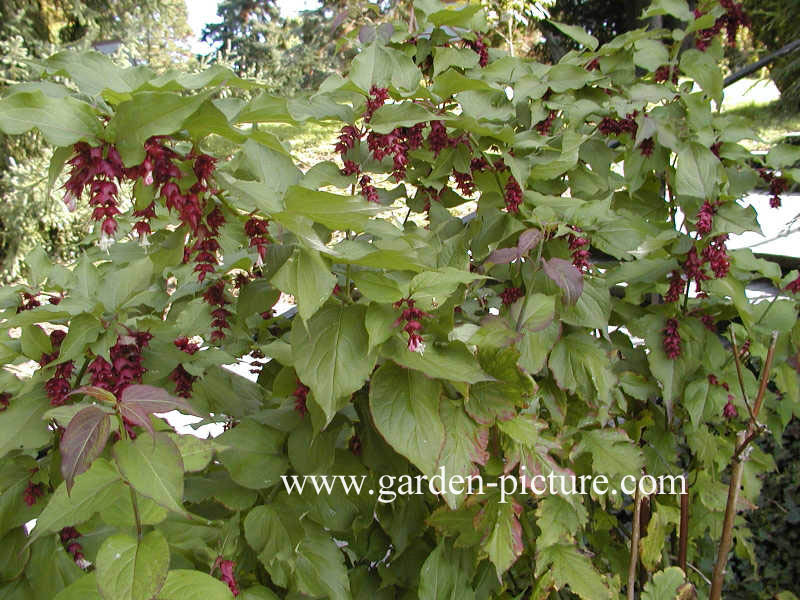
x,y
511,294
513,195
729,411
705,218
672,339
300,396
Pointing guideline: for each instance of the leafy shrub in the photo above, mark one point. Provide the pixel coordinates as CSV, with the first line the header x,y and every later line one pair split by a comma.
x,y
577,318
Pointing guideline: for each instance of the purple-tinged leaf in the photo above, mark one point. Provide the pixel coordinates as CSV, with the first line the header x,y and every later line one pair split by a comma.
x,y
566,276
83,441
527,240
138,402
503,256
95,392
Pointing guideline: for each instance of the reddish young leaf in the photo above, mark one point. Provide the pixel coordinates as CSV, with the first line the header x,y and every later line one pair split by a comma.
x,y
527,240
138,402
566,276
83,441
95,392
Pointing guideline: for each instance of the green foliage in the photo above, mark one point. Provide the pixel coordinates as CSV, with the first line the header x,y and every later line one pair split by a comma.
x,y
498,275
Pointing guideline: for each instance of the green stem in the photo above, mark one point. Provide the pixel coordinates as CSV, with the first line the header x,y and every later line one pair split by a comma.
x,y
138,519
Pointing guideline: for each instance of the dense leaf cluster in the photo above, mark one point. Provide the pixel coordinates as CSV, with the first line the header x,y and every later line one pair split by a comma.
x,y
505,267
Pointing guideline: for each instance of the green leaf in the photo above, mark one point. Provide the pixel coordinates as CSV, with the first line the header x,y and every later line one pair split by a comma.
x,y
452,361
580,366
120,285
613,453
21,426
702,67
335,211
378,287
91,71
696,173
196,452
184,583
650,54
405,114
593,308
579,34
569,567
84,440
154,468
62,121
83,330
677,8
382,66
308,278
253,454
405,409
446,574
664,585
464,447
437,286
332,355
444,58
94,489
35,342
128,569
147,114
504,542
84,588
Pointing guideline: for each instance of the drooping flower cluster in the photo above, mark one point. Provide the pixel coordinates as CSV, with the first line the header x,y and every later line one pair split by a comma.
x,y
794,286
672,339
126,366
646,146
438,139
511,294
412,317
5,397
214,296
705,218
100,169
29,302
257,230
677,285
377,98
226,575
32,492
182,378
480,47
579,246
69,538
513,195
666,73
777,186
609,126
545,126
300,397
734,17
396,144
58,386
716,254
592,65
464,182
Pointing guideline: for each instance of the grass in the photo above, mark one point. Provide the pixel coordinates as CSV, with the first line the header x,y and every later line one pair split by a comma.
x,y
770,121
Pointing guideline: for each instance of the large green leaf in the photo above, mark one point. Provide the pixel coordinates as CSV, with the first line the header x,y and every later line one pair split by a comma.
x,y
451,361
335,211
21,426
464,448
446,575
253,454
332,355
94,489
62,121
308,278
405,408
613,453
184,583
147,114
569,567
580,366
154,468
696,173
131,569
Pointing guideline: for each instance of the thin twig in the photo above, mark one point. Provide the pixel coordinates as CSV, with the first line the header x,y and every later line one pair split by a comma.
x,y
743,440
637,511
738,361
683,542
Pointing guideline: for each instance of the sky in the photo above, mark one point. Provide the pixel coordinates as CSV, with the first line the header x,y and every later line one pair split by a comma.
x,y
205,11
